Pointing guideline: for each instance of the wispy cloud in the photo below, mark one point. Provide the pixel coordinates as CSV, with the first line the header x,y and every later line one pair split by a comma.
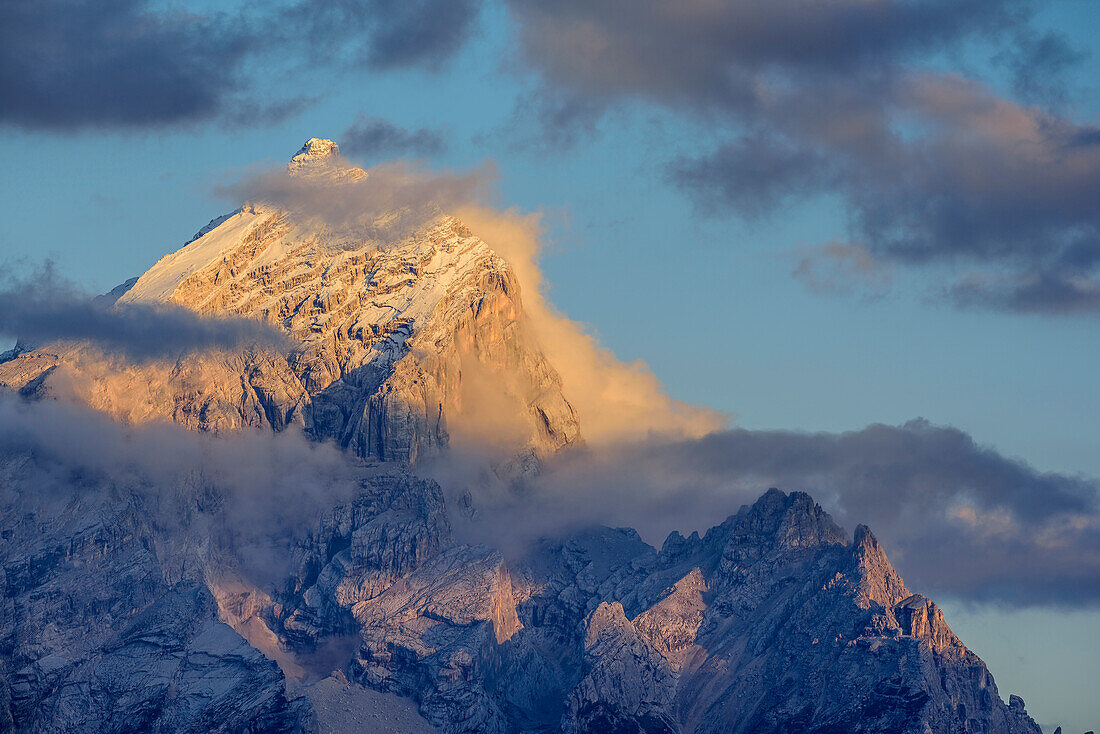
x,y
42,307
384,202
374,137
842,268
251,494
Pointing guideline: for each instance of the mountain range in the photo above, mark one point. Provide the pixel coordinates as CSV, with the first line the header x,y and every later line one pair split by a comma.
x,y
136,602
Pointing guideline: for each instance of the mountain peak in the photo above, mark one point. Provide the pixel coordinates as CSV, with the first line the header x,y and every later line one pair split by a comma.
x,y
318,155
316,149
320,159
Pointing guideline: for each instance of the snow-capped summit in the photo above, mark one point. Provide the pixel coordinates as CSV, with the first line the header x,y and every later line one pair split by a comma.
x,y
399,346
315,150
321,157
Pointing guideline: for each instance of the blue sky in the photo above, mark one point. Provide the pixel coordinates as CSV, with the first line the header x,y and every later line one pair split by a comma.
x,y
706,298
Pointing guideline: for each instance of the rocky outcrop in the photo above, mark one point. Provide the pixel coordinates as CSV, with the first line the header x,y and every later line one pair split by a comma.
x,y
626,686
94,637
393,526
437,635
772,621
672,624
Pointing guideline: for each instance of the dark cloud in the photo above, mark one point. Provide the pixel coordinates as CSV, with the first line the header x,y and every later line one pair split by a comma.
x,y
1033,292
374,137
378,34
707,53
417,32
753,175
551,119
1038,62
69,64
956,518
935,168
1007,188
43,307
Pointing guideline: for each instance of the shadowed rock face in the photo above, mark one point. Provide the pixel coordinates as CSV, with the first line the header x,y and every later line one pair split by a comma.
x,y
94,636
772,621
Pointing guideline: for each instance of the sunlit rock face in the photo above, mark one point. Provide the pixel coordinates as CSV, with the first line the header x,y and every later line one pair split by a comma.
x,y
397,343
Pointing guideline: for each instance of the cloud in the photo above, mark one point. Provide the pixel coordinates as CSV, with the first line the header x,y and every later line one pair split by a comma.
x,y
374,137
704,53
417,32
839,268
377,34
753,175
973,179
548,120
250,494
1038,62
956,518
114,62
614,400
43,307
1030,292
383,202
71,64
815,98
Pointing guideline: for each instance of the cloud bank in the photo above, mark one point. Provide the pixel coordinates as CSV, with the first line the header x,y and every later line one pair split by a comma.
x,y
956,518
42,307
